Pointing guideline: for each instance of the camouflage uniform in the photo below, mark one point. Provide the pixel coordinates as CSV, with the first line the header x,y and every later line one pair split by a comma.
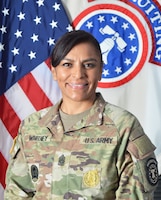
x,y
106,155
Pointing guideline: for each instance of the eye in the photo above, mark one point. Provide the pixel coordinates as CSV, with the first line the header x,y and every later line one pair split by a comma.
x,y
89,65
66,64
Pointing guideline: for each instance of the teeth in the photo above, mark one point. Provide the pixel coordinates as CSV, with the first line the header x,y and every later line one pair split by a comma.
x,y
77,85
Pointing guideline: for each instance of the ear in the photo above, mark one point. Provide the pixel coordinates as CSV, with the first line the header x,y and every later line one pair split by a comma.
x,y
53,70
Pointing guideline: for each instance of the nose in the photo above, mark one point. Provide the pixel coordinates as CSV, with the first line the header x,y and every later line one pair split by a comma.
x,y
78,71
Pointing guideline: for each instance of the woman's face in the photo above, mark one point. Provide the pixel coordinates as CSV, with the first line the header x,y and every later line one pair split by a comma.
x,y
78,73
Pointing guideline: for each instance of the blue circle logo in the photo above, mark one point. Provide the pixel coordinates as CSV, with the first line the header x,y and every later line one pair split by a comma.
x,y
123,41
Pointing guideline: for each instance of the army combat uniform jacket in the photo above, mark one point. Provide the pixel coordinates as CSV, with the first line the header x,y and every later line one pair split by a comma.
x,y
105,155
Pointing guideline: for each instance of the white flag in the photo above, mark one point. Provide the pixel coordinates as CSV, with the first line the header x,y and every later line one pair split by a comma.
x,y
130,38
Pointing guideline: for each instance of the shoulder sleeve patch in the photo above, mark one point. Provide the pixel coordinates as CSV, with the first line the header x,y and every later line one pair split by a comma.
x,y
152,171
146,171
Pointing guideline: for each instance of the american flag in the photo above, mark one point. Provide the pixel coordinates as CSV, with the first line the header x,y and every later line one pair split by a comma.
x,y
28,32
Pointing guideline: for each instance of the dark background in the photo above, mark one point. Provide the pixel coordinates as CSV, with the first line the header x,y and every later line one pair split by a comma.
x,y
157,193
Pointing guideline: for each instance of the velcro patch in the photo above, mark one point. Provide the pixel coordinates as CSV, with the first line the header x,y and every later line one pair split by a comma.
x,y
141,147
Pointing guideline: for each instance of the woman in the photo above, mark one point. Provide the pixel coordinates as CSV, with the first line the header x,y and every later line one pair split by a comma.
x,y
83,147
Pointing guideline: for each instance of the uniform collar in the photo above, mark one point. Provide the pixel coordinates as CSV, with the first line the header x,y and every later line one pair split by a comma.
x,y
53,122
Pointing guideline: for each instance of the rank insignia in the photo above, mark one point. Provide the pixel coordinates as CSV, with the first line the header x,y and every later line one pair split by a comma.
x,y
61,160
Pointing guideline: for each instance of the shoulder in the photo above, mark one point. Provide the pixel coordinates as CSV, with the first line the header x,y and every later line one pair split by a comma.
x,y
120,116
38,119
126,123
123,120
30,125
41,114
113,111
36,116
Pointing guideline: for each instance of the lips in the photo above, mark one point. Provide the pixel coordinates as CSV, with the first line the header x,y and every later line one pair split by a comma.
x,y
77,86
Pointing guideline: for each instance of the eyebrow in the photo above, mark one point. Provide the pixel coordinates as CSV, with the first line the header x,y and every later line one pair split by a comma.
x,y
90,59
86,60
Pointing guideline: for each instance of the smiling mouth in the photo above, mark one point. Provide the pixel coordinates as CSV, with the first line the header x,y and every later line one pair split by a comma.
x,y
77,86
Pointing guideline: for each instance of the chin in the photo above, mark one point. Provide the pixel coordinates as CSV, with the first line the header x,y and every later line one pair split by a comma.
x,y
79,98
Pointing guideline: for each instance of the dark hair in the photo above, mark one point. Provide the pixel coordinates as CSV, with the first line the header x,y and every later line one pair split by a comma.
x,y
68,41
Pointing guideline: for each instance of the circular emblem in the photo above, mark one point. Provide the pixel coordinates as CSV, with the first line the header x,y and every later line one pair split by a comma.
x,y
123,41
91,178
152,171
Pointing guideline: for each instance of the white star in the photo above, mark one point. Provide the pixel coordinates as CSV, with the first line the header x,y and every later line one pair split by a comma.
x,y
51,41
32,55
53,24
3,29
105,72
157,56
114,20
37,20
15,51
1,47
69,28
34,38
101,18
21,16
125,26
132,36
133,49
25,1
118,70
127,61
56,6
40,2
89,24
0,65
13,68
5,11
18,33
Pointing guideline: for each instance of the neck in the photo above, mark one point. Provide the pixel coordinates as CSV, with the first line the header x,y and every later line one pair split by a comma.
x,y
75,107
